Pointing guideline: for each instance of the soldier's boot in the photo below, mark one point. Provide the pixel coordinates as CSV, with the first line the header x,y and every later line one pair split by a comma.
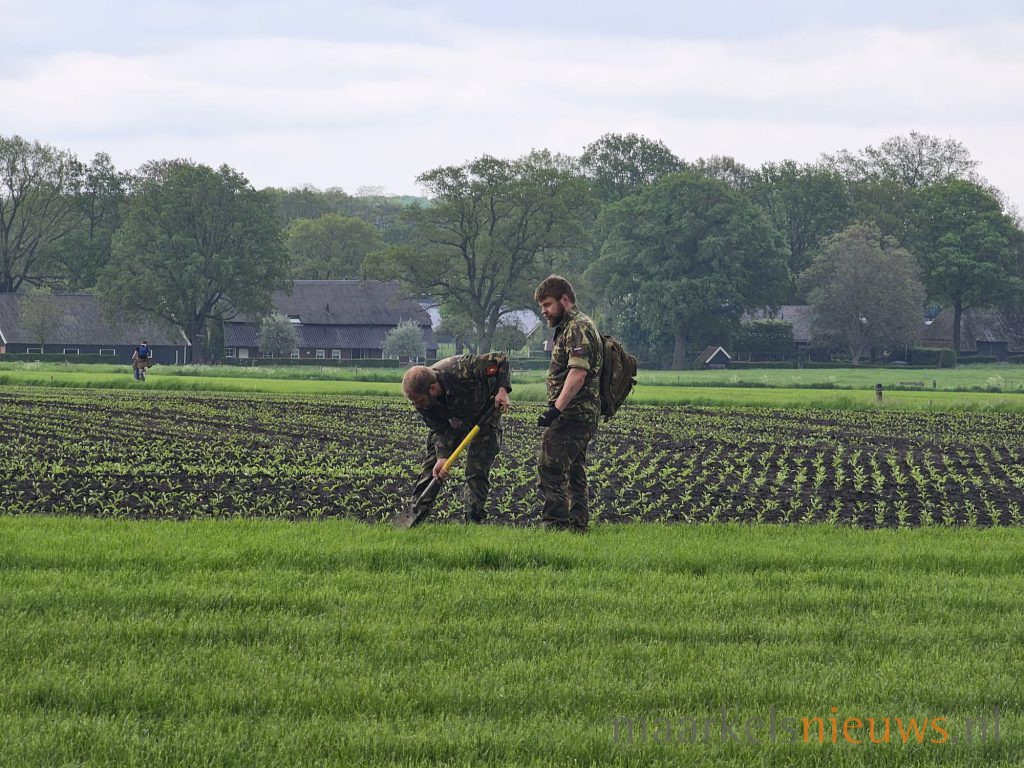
x,y
474,495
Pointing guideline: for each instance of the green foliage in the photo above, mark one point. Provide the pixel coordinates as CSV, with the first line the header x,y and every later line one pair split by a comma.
x,y
509,338
914,161
38,184
82,254
457,324
310,362
765,339
942,357
331,247
405,342
278,336
806,203
967,247
619,165
194,241
53,357
865,291
688,256
493,230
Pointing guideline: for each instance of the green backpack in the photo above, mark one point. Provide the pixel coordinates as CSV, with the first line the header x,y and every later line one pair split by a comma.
x,y
618,376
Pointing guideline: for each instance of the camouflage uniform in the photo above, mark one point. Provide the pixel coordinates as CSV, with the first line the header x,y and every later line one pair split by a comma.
x,y
563,453
468,382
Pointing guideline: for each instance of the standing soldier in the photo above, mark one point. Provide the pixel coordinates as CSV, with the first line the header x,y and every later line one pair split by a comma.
x,y
574,405
449,395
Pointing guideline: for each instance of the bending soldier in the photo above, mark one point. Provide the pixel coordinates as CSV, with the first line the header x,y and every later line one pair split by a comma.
x,y
448,395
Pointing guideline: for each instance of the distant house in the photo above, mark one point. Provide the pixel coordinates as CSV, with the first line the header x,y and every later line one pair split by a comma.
x,y
714,357
83,329
983,332
334,320
800,316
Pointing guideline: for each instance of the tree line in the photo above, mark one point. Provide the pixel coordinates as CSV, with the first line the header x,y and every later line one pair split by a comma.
x,y
667,253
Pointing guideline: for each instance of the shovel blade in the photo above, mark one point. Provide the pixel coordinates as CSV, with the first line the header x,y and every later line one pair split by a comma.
x,y
408,518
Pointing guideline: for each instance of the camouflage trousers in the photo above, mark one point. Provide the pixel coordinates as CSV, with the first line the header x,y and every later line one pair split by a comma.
x,y
563,473
480,456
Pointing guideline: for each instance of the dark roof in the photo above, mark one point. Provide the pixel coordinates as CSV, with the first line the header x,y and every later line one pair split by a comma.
x,y
351,336
241,335
709,353
322,336
800,316
349,302
338,314
82,322
984,325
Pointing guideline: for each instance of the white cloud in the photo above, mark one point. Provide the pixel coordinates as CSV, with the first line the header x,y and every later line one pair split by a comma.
x,y
288,111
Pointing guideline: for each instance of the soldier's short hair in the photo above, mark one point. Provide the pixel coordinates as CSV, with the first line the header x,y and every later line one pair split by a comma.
x,y
554,287
417,380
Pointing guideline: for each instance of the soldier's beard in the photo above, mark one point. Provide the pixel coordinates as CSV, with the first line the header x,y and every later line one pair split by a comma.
x,y
554,320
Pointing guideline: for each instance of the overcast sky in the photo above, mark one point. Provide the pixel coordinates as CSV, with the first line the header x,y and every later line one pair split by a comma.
x,y
358,93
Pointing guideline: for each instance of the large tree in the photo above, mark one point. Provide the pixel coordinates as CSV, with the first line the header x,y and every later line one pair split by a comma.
x,y
619,165
195,243
493,229
686,256
968,247
38,184
331,247
866,292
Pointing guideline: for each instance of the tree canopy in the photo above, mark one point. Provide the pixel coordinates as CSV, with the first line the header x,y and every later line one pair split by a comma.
x,y
687,255
38,184
968,247
865,291
331,247
195,243
493,229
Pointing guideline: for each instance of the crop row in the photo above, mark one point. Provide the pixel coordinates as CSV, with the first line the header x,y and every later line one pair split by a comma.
x,y
141,455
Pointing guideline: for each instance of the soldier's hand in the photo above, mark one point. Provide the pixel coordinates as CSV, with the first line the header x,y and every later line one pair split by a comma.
x,y
501,401
549,417
439,470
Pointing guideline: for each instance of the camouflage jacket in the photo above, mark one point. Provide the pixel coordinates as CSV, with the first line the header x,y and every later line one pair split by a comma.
x,y
577,344
468,382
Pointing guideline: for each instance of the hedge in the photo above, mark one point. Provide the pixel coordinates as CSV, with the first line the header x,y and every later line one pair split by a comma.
x,y
936,357
263,362
56,357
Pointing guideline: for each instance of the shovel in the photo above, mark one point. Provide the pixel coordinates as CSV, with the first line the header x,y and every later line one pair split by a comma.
x,y
412,516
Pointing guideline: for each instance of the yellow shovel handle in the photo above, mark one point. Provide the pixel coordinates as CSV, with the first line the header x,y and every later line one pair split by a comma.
x,y
465,441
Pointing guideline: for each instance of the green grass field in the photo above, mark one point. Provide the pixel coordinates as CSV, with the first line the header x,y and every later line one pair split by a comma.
x,y
264,643
1008,378
767,388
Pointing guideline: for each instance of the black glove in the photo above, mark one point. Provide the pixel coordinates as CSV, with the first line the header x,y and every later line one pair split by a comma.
x,y
549,417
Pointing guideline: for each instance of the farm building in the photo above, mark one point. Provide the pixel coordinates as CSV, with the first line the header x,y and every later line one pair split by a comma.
x,y
334,320
81,327
800,316
983,332
713,357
